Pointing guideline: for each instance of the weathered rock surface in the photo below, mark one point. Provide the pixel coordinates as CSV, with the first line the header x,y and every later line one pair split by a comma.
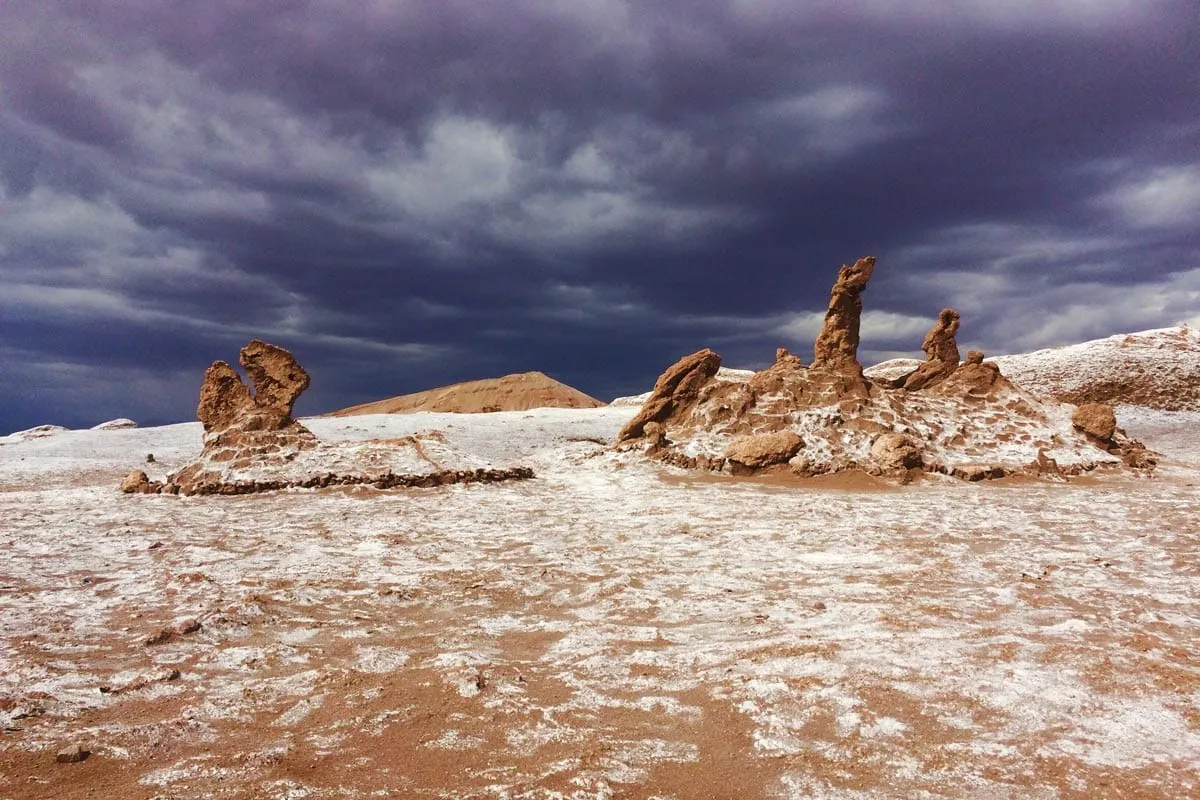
x,y
962,420
837,345
941,352
134,481
278,379
675,391
252,443
1097,420
765,449
892,451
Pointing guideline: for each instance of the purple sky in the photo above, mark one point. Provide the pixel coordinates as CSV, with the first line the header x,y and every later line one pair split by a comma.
x,y
408,194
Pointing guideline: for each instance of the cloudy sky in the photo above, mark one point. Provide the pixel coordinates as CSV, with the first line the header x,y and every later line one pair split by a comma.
x,y
408,194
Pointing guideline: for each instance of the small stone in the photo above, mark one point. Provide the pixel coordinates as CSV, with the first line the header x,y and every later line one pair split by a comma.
x,y
162,637
188,626
134,482
1096,420
72,755
150,458
155,545
818,606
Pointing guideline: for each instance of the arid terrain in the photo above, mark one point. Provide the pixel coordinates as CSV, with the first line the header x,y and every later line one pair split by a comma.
x,y
612,628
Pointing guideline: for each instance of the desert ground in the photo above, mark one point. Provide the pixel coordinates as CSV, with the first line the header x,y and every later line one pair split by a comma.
x,y
611,628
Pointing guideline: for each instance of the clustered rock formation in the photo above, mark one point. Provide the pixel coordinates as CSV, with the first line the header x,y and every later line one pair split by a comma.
x,y
941,352
252,443
959,418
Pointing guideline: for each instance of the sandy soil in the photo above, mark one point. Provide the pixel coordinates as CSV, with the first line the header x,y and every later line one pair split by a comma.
x,y
522,392
606,630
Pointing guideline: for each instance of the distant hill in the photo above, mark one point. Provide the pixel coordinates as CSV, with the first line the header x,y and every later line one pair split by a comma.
x,y
1157,368
510,393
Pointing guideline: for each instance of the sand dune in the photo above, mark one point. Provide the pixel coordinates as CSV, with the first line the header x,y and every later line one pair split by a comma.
x,y
519,392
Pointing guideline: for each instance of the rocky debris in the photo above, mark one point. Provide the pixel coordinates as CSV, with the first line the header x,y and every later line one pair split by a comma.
x,y
150,458
895,451
72,755
134,482
764,449
1045,465
655,436
1136,455
188,626
1097,420
941,352
165,675
161,636
963,420
675,391
837,345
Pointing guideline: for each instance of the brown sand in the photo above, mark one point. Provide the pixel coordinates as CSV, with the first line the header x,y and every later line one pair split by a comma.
x,y
519,392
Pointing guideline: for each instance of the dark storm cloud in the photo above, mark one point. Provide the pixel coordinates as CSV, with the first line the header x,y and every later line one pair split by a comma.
x,y
407,194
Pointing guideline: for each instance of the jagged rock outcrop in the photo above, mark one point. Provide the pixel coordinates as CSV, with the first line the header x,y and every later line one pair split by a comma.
x,y
836,347
675,391
941,352
963,420
278,379
224,398
1097,420
252,443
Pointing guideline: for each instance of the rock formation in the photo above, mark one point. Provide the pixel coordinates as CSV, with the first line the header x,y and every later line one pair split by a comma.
x,y
764,449
963,420
836,347
253,444
1097,420
226,403
675,391
941,352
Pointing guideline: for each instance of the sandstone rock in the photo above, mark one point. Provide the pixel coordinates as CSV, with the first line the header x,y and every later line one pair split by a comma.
x,y
837,344
975,356
223,397
971,379
277,377
654,434
764,449
1045,465
1136,456
72,755
893,451
675,391
1096,420
134,482
161,637
187,626
941,352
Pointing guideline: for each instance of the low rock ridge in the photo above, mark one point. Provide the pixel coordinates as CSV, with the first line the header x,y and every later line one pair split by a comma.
x,y
962,419
252,443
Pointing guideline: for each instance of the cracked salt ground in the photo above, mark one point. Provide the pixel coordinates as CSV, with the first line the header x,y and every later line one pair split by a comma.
x,y
606,630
